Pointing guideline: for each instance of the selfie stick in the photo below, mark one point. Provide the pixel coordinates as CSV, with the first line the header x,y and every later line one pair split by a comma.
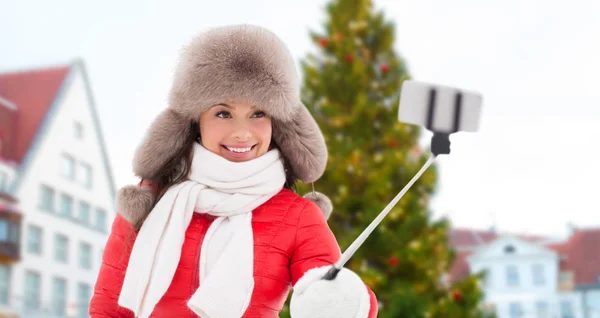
x,y
440,142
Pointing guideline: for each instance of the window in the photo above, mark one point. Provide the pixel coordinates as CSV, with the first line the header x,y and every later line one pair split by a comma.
x,y
32,290
9,231
541,309
61,251
565,281
487,278
46,198
14,234
67,167
59,296
538,275
512,276
85,255
4,230
566,309
84,294
4,284
84,213
66,205
34,240
86,175
78,130
101,219
515,310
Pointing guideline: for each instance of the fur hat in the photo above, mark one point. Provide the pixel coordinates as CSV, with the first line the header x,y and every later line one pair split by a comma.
x,y
240,62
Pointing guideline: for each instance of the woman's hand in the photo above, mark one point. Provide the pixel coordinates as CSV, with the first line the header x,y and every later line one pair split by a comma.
x,y
346,296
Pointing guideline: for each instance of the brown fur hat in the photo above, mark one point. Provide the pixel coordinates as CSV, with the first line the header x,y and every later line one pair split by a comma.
x,y
240,62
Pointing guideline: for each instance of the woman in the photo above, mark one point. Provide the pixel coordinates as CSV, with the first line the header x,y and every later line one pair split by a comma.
x,y
215,229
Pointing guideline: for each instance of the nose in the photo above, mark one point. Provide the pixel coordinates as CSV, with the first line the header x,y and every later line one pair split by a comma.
x,y
242,132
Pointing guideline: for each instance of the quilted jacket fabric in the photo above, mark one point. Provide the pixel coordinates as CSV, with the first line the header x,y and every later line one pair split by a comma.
x,y
291,236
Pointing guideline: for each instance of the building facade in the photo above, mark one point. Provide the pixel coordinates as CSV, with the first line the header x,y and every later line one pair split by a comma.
x,y
55,173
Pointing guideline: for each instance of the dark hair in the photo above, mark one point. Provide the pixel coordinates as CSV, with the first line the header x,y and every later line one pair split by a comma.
x,y
178,168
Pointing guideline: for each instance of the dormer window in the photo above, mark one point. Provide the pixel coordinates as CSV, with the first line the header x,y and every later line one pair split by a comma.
x,y
509,249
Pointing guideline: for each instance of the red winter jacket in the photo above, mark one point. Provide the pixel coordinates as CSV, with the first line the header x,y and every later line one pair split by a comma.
x,y
291,236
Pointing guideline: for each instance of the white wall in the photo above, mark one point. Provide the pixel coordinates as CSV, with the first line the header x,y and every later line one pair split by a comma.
x,y
45,168
495,260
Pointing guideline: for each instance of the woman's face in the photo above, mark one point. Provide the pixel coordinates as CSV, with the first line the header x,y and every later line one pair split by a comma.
x,y
236,131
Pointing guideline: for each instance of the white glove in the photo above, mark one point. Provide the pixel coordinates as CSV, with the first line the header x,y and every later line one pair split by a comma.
x,y
346,296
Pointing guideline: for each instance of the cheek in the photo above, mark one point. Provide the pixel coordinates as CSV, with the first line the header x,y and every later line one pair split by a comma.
x,y
264,134
211,135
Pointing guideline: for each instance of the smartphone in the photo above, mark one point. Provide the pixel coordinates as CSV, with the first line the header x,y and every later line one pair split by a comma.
x,y
439,108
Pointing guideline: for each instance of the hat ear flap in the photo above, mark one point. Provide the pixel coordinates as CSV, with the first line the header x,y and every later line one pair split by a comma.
x,y
301,141
166,138
134,202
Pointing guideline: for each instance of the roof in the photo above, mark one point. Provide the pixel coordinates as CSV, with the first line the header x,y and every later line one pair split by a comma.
x,y
460,267
33,92
579,254
463,238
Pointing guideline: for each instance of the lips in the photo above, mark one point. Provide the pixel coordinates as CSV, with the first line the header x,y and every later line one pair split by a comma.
x,y
238,152
239,149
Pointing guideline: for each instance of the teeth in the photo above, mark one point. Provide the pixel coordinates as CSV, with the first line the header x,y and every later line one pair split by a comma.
x,y
239,149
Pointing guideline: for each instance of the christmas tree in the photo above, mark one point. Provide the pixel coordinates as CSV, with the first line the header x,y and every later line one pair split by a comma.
x,y
351,86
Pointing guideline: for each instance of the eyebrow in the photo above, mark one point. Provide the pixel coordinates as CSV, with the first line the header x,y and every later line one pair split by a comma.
x,y
223,104
228,106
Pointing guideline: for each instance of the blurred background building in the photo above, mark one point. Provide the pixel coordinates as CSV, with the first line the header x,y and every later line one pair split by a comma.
x,y
532,276
56,192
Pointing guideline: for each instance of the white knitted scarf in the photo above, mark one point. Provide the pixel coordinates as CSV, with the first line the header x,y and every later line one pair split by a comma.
x,y
227,190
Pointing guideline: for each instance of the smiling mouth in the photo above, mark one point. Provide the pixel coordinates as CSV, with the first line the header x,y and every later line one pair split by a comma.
x,y
239,150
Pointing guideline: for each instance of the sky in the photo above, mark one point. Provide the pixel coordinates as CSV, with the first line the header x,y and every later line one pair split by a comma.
x,y
535,63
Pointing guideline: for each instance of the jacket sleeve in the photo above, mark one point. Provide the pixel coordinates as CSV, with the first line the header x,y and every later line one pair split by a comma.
x,y
112,272
316,246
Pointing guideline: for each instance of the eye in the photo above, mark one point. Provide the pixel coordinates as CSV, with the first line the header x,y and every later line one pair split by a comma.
x,y
223,114
259,114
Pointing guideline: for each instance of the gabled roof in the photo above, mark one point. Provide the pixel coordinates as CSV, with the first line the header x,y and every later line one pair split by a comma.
x,y
469,239
37,94
520,247
32,92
